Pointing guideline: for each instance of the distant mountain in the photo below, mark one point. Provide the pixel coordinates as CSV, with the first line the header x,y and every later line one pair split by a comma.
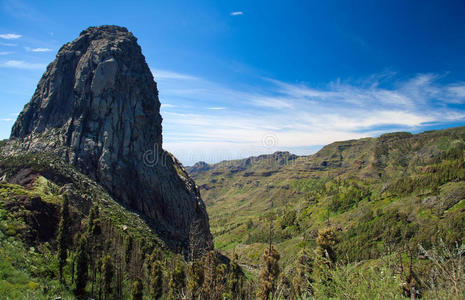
x,y
368,188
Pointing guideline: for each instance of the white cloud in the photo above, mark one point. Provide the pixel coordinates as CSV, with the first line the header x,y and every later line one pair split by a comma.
x,y
19,64
166,105
159,74
38,49
298,115
7,119
10,36
216,108
236,13
4,52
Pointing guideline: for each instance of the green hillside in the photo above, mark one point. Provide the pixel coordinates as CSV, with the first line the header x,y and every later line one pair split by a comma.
x,y
381,195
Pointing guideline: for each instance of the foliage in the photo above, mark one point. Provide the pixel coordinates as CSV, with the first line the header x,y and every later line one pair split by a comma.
x,y
269,274
82,268
64,234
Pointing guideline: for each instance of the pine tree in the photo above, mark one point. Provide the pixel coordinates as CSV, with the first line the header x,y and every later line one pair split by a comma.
x,y
107,276
195,279
137,291
154,275
269,274
326,241
302,282
235,279
82,268
177,280
64,239
93,231
210,263
324,261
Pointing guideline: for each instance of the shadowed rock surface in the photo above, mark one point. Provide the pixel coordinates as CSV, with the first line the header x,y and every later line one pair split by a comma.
x,y
97,107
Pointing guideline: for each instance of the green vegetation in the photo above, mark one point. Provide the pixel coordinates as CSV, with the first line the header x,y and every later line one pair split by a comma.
x,y
383,198
373,218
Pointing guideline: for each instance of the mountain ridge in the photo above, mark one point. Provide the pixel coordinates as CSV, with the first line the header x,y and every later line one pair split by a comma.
x,y
346,184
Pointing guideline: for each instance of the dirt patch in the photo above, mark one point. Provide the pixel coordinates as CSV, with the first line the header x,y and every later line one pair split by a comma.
x,y
40,217
25,178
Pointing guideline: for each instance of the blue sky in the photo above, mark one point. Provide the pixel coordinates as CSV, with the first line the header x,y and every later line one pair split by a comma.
x,y
240,78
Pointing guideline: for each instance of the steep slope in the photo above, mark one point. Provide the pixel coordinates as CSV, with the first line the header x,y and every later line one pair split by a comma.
x,y
32,188
395,189
97,108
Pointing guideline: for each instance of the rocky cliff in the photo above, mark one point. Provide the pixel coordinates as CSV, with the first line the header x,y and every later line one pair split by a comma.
x,y
97,107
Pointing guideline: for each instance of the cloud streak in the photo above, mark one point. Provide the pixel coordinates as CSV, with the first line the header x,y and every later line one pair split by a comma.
x,y
236,13
19,64
38,49
10,36
301,117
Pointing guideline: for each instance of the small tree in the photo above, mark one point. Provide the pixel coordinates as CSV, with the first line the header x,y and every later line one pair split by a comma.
x,y
177,280
156,280
325,259
93,232
107,276
269,274
137,291
210,264
302,282
64,234
195,279
82,268
326,241
235,278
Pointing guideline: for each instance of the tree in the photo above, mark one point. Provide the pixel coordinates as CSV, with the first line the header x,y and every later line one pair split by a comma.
x,y
210,263
93,231
156,280
107,276
269,274
177,280
302,282
324,261
64,239
195,272
235,279
137,291
82,268
326,241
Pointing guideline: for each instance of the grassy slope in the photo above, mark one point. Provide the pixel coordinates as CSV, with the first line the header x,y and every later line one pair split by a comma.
x,y
28,264
367,187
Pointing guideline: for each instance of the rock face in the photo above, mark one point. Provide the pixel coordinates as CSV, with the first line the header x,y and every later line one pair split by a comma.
x,y
97,107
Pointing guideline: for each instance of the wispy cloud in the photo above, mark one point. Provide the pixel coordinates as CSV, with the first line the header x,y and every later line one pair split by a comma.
x,y
19,64
166,105
8,44
38,49
216,108
164,74
299,116
21,10
10,36
236,13
7,119
5,52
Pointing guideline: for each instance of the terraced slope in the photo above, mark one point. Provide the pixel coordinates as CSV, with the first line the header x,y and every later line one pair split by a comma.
x,y
380,193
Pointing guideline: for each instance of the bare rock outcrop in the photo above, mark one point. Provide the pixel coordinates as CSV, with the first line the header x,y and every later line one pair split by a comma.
x,y
97,107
